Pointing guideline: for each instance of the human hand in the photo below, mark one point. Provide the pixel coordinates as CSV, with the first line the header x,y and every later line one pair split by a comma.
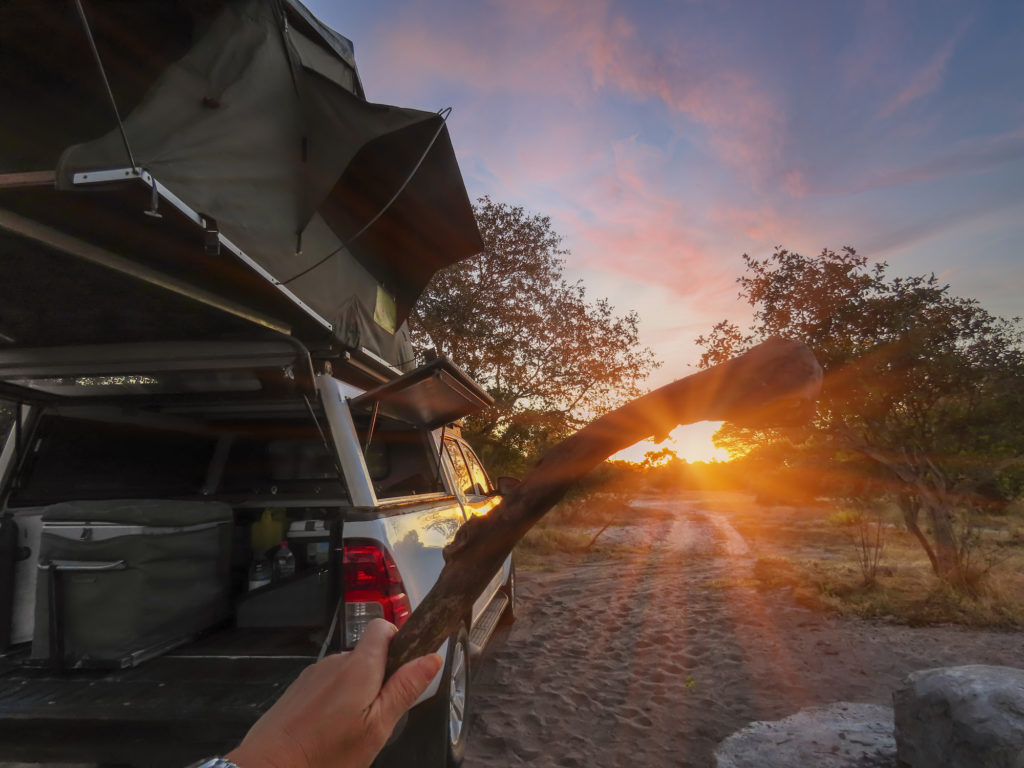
x,y
336,714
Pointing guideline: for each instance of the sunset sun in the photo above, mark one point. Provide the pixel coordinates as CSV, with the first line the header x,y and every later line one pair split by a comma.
x,y
691,442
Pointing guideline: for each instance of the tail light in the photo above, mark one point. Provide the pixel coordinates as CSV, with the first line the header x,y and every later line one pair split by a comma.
x,y
373,589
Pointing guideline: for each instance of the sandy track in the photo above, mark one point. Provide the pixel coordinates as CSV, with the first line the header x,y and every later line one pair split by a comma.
x,y
651,656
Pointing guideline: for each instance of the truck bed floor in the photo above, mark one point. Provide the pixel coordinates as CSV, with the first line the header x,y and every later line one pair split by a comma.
x,y
197,701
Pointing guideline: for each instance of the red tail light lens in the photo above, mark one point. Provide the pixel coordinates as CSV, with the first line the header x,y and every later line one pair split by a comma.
x,y
373,589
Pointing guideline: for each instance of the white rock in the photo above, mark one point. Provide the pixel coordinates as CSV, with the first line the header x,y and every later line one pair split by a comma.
x,y
961,717
841,735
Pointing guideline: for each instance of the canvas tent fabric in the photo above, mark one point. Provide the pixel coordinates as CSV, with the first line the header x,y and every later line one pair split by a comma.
x,y
262,127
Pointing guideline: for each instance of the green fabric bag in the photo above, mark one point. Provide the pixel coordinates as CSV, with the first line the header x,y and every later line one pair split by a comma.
x,y
126,580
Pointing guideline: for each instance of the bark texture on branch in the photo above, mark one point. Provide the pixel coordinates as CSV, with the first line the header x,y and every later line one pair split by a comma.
x,y
774,383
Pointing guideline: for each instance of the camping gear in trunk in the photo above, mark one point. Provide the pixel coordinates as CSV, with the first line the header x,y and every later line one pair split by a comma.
x,y
122,581
310,540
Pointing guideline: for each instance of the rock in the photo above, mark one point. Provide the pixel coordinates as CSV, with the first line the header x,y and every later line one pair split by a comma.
x,y
961,717
841,735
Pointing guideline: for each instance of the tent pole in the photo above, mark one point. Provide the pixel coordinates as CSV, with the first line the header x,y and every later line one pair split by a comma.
x,y
106,82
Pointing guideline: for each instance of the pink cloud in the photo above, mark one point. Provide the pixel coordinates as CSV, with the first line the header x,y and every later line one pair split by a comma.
x,y
794,181
623,217
761,226
562,152
649,243
927,80
577,51
662,155
652,248
743,124
486,48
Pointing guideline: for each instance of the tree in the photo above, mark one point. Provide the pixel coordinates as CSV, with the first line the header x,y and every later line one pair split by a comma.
x,y
551,359
660,458
925,386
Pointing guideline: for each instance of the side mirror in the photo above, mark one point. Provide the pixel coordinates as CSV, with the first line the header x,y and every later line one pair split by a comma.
x,y
506,484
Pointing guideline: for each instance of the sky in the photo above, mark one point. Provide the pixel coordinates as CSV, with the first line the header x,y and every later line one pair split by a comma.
x,y
666,139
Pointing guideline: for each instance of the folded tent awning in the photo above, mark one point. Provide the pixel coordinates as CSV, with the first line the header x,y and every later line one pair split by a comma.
x,y
260,126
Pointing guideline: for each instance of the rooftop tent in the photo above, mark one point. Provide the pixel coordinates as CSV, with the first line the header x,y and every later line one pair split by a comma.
x,y
249,117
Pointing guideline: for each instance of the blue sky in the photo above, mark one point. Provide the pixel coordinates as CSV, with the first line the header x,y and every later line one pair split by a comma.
x,y
665,139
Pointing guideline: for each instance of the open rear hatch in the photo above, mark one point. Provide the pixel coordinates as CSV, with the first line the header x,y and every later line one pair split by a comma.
x,y
200,695
127,648
149,420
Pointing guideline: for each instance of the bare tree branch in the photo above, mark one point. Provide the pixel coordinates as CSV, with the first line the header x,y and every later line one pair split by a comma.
x,y
774,383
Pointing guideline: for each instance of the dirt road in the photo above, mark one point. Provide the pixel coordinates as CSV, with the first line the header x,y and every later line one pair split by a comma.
x,y
652,655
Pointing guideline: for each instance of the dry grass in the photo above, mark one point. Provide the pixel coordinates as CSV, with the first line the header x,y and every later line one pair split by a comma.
x,y
814,551
570,527
537,547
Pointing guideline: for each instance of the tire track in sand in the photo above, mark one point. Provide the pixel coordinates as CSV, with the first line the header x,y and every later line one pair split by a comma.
x,y
625,660
651,655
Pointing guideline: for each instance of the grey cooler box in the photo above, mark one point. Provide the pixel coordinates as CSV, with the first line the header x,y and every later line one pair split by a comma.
x,y
122,581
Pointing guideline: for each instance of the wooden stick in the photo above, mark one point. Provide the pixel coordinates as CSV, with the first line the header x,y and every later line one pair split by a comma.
x,y
774,383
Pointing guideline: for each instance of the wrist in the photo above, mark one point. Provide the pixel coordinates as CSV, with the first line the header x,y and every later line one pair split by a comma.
x,y
243,756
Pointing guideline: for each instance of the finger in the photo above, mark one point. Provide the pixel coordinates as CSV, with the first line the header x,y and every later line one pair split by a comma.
x,y
405,686
370,656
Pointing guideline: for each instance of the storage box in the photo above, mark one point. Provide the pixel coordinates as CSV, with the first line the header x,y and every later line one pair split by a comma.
x,y
122,581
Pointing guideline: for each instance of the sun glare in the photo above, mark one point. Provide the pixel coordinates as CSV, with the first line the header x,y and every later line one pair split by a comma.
x,y
691,442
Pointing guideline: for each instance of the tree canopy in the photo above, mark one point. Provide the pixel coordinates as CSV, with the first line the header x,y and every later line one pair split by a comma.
x,y
923,394
551,358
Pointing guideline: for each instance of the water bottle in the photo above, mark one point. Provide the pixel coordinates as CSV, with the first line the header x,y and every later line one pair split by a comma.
x,y
259,572
284,562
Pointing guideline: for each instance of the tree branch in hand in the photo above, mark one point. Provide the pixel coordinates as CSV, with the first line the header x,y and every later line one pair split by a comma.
x,y
773,384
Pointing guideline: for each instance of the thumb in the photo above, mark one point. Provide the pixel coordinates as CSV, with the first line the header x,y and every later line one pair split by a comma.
x,y
405,686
